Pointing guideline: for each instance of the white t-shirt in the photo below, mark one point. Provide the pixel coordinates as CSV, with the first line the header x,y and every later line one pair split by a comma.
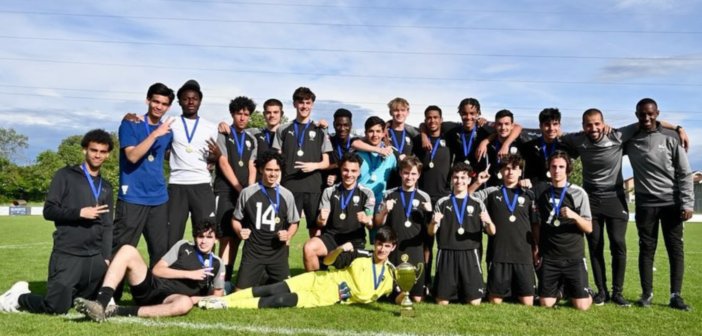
x,y
188,160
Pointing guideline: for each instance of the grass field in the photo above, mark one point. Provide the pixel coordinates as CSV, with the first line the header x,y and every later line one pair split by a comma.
x,y
25,244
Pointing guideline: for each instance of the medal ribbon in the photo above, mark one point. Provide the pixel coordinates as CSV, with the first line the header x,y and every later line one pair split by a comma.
x,y
267,135
546,149
202,260
377,280
466,148
511,204
434,148
275,205
300,137
346,149
345,201
401,146
460,212
557,208
405,206
498,146
185,125
96,192
148,130
239,142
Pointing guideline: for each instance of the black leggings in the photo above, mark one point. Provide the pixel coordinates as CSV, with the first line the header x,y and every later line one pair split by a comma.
x,y
276,295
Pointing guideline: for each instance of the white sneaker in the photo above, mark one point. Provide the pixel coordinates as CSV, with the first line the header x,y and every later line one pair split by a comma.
x,y
211,302
9,300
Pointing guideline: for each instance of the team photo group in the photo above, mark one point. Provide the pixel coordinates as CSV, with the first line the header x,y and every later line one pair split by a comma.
x,y
425,195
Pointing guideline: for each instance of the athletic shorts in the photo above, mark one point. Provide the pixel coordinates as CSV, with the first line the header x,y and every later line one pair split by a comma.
x,y
252,273
571,274
458,275
509,279
149,292
332,241
308,204
225,208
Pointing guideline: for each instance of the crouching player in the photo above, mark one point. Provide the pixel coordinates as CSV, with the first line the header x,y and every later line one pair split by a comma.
x,y
185,274
509,252
364,281
407,210
564,211
458,223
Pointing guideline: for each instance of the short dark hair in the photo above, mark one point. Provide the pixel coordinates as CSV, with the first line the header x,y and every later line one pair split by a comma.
x,y
645,101
432,108
97,136
242,102
303,93
461,167
374,120
202,225
267,156
350,157
559,154
468,101
273,102
591,112
512,160
504,113
386,234
342,112
549,114
161,90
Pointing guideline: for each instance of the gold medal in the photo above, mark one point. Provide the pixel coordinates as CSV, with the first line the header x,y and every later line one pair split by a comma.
x,y
241,163
150,158
300,152
512,218
431,164
342,216
277,220
461,230
408,223
189,149
556,223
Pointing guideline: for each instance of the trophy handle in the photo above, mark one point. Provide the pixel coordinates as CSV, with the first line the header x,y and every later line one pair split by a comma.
x,y
420,270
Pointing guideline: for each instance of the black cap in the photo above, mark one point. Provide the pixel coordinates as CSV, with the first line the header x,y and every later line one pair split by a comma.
x,y
190,85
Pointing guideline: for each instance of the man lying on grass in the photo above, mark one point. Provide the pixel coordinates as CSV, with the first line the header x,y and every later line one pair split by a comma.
x,y
364,281
177,282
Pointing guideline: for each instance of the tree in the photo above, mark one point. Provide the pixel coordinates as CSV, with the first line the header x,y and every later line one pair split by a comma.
x,y
576,176
11,142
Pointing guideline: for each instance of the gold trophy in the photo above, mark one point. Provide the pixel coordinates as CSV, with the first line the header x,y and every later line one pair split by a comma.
x,y
406,275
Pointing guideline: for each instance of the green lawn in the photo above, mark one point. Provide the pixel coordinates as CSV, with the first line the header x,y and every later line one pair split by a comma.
x,y
25,244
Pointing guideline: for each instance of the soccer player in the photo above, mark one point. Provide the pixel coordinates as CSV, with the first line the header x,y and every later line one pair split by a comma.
x,y
341,143
273,115
376,170
537,150
664,198
305,147
407,210
189,188
142,200
458,223
235,172
504,126
464,140
362,282
509,252
79,201
266,219
564,212
345,210
188,272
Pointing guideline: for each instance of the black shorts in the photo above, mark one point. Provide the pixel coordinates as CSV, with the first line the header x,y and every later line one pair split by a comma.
x,y
571,274
185,199
332,241
149,292
508,279
131,220
308,204
458,275
415,255
225,208
252,273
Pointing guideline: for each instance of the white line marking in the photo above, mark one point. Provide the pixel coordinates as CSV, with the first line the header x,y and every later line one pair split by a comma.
x,y
250,329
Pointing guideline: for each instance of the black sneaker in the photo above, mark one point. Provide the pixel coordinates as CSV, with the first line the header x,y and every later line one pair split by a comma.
x,y
645,301
600,298
677,302
620,301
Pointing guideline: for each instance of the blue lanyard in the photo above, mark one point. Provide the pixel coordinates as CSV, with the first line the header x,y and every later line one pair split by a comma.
x,y
96,192
202,260
466,149
267,135
557,207
185,125
346,149
400,146
377,280
277,196
345,201
460,212
408,209
547,150
239,142
148,128
300,137
434,148
511,204
375,160
498,146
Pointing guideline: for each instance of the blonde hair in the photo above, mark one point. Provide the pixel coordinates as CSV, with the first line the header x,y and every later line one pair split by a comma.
x,y
398,102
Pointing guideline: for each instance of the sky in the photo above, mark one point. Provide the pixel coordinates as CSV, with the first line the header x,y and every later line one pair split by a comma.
x,y
70,66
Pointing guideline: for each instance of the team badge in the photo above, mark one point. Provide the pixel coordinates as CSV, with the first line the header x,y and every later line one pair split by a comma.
x,y
415,203
312,135
442,143
356,199
248,144
513,150
408,140
520,200
470,209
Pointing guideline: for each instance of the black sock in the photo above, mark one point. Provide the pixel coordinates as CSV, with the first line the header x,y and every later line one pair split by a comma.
x,y
228,270
105,295
127,311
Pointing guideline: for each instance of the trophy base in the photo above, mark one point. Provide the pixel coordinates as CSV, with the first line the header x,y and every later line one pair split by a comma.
x,y
407,312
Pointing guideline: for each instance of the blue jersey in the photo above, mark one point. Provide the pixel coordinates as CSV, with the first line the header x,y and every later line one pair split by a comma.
x,y
375,173
142,182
